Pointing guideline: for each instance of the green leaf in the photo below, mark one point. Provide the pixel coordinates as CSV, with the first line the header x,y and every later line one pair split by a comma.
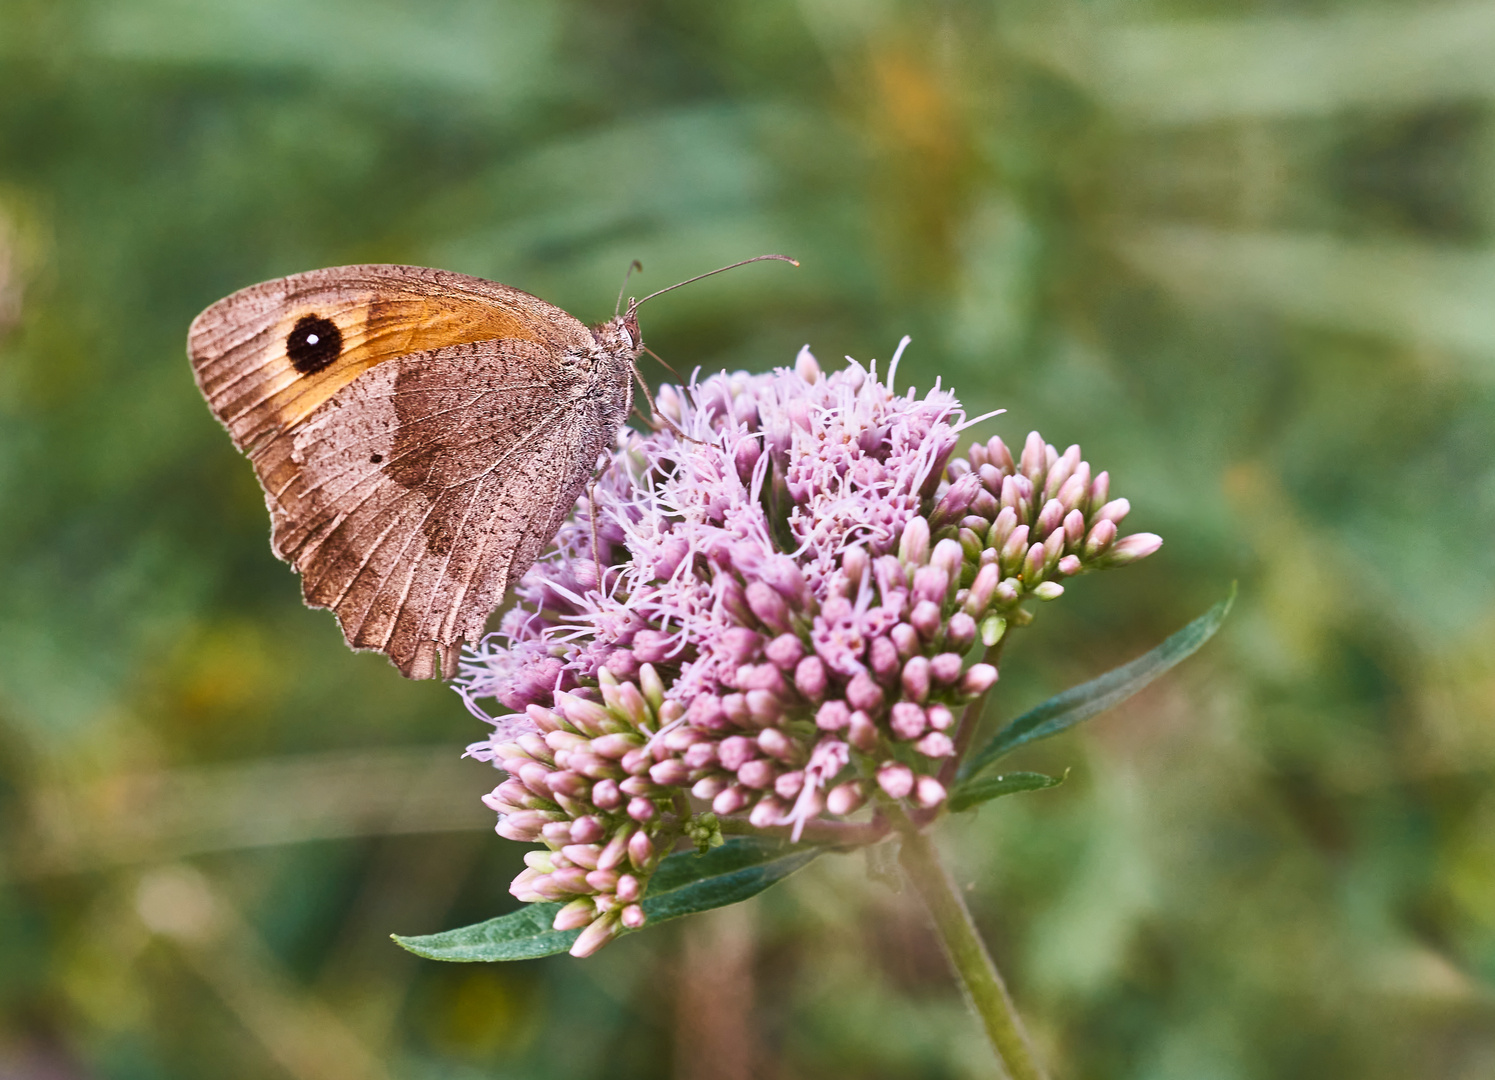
x,y
980,789
684,883
1081,702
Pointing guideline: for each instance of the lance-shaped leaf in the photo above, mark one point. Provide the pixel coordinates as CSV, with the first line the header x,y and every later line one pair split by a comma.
x,y
980,789
683,884
1081,702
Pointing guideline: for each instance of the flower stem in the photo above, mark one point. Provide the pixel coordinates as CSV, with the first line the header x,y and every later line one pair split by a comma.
x,y
967,954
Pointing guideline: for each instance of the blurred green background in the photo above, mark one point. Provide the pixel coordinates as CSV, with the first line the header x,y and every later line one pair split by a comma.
x,y
1244,252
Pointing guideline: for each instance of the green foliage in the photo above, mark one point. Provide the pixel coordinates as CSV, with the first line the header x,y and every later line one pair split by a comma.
x,y
980,789
684,884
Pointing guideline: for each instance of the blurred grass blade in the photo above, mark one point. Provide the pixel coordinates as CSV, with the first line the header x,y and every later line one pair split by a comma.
x,y
980,789
685,883
1080,703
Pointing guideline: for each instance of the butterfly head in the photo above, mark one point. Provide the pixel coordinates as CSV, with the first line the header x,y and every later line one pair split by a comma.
x,y
620,334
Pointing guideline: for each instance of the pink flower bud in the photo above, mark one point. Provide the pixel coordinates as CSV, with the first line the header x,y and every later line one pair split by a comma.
x,y
940,717
846,798
636,762
861,732
788,785
926,619
832,716
896,779
1049,518
615,746
913,546
936,745
709,787
731,801
775,743
929,792
854,564
905,639
960,632
784,652
915,679
991,477
586,716
1100,489
944,669
810,678
1070,565
745,457
759,773
1060,471
606,795
1032,571
1115,510
616,850
700,755
603,880
1102,536
956,500
641,809
768,605
652,646
1131,548
982,590
535,777
629,888
863,693
1033,460
769,811
883,655
908,720
736,708
583,855
571,879
978,680
522,832
739,643
1049,590
556,832
596,935
543,718
735,751
588,830
570,784
763,707
639,785
633,917
1011,558
640,849
670,773
998,454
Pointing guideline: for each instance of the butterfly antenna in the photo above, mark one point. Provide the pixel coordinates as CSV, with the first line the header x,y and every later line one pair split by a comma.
x,y
634,305
655,414
662,360
635,265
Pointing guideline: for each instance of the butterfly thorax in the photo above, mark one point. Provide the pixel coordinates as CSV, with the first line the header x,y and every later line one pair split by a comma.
x,y
618,344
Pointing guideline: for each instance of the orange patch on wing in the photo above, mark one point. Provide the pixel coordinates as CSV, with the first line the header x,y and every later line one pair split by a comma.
x,y
379,328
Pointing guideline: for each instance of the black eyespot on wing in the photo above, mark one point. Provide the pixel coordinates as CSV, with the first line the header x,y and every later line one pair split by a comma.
x,y
313,343
375,459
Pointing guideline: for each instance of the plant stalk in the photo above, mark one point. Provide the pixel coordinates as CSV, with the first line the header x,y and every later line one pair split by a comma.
x,y
967,954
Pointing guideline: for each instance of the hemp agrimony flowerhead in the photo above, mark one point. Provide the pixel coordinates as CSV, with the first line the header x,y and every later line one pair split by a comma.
x,y
769,612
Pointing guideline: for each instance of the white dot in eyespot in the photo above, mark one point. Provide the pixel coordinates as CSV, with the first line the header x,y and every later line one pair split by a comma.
x,y
312,339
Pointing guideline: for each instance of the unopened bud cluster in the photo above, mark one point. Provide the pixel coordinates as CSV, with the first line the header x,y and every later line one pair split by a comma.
x,y
582,783
782,621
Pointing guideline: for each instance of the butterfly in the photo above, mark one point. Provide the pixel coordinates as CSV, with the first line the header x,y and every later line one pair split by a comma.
x,y
420,436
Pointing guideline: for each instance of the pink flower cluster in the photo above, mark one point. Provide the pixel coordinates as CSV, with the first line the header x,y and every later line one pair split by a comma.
x,y
767,609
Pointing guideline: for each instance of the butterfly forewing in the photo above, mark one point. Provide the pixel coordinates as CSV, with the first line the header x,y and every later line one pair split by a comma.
x,y
420,436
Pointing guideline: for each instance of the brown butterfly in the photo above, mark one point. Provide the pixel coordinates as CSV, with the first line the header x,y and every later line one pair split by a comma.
x,y
420,436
